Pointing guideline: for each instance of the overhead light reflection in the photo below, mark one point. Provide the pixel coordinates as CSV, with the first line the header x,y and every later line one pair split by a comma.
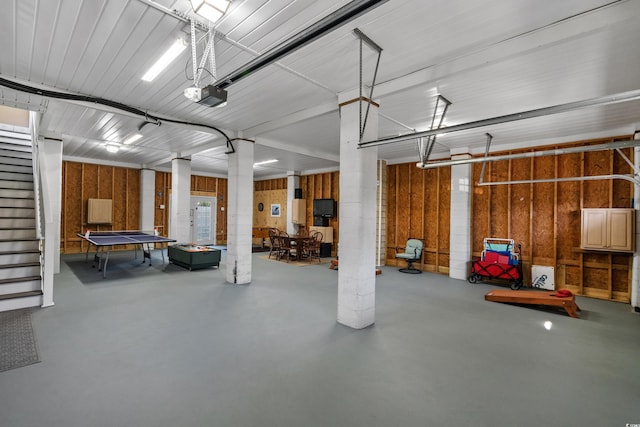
x,y
547,325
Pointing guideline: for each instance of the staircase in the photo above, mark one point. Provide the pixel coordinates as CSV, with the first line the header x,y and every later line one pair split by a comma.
x,y
20,247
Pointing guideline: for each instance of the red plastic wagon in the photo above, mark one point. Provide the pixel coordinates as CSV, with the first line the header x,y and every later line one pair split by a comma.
x,y
499,261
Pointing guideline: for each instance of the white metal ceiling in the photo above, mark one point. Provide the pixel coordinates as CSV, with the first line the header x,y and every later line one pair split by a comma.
x,y
490,58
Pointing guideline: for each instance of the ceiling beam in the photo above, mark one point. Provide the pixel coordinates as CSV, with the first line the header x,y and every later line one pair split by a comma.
x,y
318,154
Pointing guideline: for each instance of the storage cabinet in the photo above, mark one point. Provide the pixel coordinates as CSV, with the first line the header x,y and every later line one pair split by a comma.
x,y
299,212
608,229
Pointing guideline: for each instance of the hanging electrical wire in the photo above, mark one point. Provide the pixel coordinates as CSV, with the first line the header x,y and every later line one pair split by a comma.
x,y
109,103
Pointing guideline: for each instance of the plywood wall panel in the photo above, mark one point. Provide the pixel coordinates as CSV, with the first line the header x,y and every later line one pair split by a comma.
x,y
416,203
555,210
479,208
105,180
597,193
392,211
568,207
221,220
499,204
543,240
73,207
431,205
83,181
119,186
520,206
133,200
622,190
403,205
444,213
90,183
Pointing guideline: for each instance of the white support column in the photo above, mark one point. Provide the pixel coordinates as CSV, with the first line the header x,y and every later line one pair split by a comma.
x,y
293,182
240,213
460,219
50,160
147,200
381,221
635,273
180,200
357,215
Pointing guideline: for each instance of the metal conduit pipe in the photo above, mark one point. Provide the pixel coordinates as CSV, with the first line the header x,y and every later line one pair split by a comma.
x,y
529,154
629,178
546,111
314,31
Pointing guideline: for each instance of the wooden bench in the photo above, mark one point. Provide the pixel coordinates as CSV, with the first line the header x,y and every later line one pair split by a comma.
x,y
547,298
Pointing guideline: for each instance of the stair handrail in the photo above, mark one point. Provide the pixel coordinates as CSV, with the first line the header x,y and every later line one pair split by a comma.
x,y
33,128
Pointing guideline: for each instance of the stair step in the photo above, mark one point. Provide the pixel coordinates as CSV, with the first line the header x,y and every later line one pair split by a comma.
x,y
19,245
17,233
17,168
17,203
11,146
20,265
18,271
22,300
17,222
16,176
21,294
19,257
17,213
19,185
16,193
6,158
24,284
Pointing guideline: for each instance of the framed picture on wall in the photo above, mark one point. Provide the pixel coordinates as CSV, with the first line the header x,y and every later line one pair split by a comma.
x,y
275,209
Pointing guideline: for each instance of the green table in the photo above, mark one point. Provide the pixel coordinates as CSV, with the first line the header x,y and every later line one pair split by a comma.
x,y
194,257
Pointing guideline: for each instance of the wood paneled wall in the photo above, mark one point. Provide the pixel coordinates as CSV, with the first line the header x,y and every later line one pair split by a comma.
x,y
418,206
200,185
83,181
545,217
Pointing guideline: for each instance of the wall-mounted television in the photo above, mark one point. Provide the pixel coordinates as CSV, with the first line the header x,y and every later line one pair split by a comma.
x,y
324,207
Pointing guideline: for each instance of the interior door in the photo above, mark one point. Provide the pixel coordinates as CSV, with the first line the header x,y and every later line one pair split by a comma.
x,y
203,220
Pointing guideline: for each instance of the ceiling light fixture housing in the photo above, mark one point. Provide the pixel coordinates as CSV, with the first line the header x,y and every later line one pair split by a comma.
x,y
210,9
133,138
264,162
112,147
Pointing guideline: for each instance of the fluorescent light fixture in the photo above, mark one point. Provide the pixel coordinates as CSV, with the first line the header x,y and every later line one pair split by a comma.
x,y
210,9
166,59
264,162
133,138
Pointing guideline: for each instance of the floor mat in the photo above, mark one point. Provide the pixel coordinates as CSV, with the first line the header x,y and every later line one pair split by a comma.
x,y
296,263
17,340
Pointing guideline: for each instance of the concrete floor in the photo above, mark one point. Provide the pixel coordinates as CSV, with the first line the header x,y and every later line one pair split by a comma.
x,y
145,347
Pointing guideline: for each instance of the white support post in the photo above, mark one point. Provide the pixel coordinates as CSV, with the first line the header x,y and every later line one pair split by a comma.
x,y
293,182
240,213
460,219
180,200
147,199
50,161
357,215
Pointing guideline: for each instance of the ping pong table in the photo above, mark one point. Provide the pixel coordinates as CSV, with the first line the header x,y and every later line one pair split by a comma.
x,y
106,240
